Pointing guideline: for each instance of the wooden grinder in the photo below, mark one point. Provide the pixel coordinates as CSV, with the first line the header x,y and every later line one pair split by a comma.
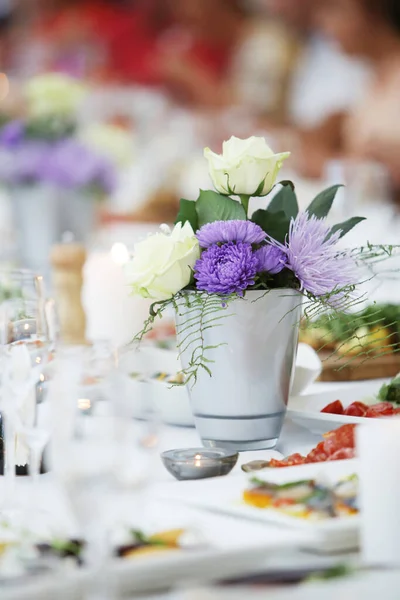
x,y
67,263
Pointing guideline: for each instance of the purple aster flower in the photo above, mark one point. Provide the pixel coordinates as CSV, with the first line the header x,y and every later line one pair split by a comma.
x,y
314,259
24,163
270,259
73,166
12,134
230,231
226,269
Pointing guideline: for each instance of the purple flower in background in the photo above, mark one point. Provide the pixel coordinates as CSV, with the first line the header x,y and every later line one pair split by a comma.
x,y
226,269
314,258
12,134
230,231
72,165
270,259
24,163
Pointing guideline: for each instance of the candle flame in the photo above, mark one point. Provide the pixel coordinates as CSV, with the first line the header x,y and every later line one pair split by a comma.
x,y
120,253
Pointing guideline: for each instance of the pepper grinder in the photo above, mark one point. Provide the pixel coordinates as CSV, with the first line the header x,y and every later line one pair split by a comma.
x,y
67,262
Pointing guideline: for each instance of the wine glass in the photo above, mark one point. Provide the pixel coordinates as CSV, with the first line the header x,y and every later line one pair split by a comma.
x,y
85,450
23,324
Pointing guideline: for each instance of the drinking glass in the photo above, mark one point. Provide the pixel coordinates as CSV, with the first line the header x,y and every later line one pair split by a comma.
x,y
85,449
23,325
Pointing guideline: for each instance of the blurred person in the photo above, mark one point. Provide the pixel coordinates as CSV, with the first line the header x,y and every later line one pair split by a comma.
x,y
257,56
73,36
371,29
325,85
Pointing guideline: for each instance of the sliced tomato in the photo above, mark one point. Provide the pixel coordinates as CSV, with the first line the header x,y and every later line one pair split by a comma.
x,y
396,411
295,459
317,454
289,461
382,409
334,408
343,437
356,409
277,463
343,454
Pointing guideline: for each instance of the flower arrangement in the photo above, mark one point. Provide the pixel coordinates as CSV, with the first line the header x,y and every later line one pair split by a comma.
x,y
44,146
218,251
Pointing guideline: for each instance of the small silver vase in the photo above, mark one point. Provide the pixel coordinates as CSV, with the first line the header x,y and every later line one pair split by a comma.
x,y
243,404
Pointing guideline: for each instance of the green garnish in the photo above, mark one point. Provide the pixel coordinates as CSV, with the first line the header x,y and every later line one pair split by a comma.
x,y
390,392
332,573
143,539
66,546
282,486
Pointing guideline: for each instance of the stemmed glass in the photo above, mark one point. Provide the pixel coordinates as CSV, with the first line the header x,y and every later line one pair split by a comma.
x,y
24,337
85,449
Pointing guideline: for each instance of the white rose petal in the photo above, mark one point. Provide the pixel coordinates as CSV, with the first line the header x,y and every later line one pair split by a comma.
x,y
162,263
244,166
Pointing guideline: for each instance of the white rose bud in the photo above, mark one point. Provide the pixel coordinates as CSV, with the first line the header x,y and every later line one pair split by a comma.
x,y
162,264
245,167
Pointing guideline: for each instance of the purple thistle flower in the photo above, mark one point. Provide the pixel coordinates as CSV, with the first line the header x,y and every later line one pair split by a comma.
x,y
230,231
226,269
314,259
12,134
270,259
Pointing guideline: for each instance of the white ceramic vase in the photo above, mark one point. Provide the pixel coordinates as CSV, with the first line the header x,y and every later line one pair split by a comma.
x,y
243,404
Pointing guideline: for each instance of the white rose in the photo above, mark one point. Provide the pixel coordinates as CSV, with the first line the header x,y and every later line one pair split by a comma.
x,y
247,167
54,94
109,141
162,264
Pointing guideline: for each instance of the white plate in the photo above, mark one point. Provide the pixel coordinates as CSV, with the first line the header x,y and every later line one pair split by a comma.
x,y
224,495
306,410
237,548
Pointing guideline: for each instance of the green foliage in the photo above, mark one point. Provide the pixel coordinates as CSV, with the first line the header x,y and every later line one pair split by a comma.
x,y
187,212
322,203
211,206
285,200
346,226
390,392
49,128
275,224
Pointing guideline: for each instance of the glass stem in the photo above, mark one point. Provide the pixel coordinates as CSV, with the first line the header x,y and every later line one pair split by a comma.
x,y
9,456
34,470
245,199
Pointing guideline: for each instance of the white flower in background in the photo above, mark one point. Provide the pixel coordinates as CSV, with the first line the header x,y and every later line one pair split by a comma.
x,y
162,264
54,94
110,141
247,167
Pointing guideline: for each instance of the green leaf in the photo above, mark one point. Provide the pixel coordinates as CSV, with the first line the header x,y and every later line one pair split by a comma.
x,y
212,206
321,205
286,201
287,182
346,226
187,212
276,224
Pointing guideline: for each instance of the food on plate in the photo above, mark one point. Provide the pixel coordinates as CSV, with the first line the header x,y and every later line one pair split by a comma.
x,y
336,445
334,408
138,545
305,499
390,392
375,329
177,379
359,409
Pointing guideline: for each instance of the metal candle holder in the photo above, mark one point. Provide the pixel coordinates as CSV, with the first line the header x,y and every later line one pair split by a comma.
x,y
199,463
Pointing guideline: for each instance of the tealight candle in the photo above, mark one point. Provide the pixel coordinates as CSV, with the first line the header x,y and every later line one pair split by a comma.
x,y
199,463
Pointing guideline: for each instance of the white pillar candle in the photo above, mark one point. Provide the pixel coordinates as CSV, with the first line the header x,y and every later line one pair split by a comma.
x,y
378,448
111,313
